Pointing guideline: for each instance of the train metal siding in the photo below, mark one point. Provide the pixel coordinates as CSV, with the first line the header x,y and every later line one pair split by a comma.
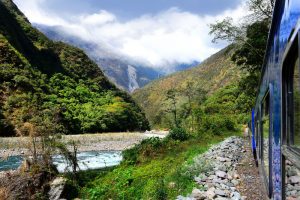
x,y
285,18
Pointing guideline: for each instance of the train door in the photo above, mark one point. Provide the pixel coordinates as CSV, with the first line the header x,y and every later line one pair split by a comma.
x,y
291,120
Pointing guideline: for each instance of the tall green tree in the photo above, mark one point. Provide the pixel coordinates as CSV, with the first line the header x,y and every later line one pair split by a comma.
x,y
250,39
171,98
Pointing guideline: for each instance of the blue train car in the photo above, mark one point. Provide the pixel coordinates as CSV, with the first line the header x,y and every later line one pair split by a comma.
x,y
276,117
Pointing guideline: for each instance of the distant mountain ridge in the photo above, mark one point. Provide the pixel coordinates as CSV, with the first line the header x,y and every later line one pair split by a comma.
x,y
126,74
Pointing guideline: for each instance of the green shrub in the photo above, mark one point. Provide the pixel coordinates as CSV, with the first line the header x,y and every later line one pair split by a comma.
x,y
146,148
243,118
130,156
178,134
218,124
199,165
161,191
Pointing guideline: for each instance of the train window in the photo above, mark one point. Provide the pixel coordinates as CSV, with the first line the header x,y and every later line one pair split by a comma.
x,y
266,135
293,105
291,121
291,100
256,137
295,136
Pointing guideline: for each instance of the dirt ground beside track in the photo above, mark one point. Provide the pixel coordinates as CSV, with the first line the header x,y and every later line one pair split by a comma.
x,y
251,185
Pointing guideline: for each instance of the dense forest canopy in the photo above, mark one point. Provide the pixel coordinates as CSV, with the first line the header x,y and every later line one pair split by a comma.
x,y
52,84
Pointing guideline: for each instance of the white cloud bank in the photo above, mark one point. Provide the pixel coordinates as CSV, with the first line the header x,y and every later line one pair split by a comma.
x,y
159,40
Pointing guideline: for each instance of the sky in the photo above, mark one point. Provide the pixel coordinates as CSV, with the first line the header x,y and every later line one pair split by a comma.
x,y
157,33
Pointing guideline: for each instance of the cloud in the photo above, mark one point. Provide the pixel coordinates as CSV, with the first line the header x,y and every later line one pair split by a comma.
x,y
159,40
97,19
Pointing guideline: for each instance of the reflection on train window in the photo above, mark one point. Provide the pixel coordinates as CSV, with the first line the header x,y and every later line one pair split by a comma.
x,y
266,135
295,138
292,181
257,138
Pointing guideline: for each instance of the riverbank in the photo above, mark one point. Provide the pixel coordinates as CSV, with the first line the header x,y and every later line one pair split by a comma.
x,y
13,146
155,170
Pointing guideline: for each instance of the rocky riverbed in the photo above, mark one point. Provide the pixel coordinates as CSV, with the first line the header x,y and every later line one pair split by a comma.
x,y
88,142
219,178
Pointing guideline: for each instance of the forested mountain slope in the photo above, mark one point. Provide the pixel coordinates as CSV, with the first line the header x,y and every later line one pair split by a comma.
x,y
55,86
214,73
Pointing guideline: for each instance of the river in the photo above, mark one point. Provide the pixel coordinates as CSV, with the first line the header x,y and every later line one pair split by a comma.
x,y
86,160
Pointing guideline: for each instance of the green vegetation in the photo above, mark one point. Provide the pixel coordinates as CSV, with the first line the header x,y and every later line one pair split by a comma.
x,y
206,102
49,88
190,87
251,41
197,110
54,85
154,169
228,80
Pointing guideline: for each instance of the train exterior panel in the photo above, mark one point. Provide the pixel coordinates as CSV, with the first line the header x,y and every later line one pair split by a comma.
x,y
275,117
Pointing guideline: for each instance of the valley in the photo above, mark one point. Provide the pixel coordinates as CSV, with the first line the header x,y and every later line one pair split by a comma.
x,y
85,117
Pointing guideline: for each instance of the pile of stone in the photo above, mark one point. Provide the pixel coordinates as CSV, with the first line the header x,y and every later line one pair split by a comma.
x,y
292,181
220,179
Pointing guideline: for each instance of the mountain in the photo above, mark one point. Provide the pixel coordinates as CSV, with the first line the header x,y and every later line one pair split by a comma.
x,y
214,73
126,74
54,86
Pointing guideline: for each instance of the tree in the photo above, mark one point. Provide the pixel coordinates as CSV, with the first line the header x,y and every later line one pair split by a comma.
x,y
227,30
262,9
250,41
195,96
250,54
172,99
189,93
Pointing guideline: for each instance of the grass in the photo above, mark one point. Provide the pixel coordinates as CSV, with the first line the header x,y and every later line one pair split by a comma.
x,y
156,175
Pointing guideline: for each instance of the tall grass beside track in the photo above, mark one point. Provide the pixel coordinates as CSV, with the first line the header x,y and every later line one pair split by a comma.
x,y
155,171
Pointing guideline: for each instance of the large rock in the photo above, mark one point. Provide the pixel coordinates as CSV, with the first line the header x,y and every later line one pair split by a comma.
x,y
211,193
221,174
235,196
220,193
56,188
197,194
235,182
294,179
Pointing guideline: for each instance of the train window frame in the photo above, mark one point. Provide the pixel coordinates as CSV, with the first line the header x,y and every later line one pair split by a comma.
x,y
267,179
257,132
291,55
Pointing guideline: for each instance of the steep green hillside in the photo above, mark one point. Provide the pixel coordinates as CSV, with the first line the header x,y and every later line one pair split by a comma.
x,y
54,85
214,73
